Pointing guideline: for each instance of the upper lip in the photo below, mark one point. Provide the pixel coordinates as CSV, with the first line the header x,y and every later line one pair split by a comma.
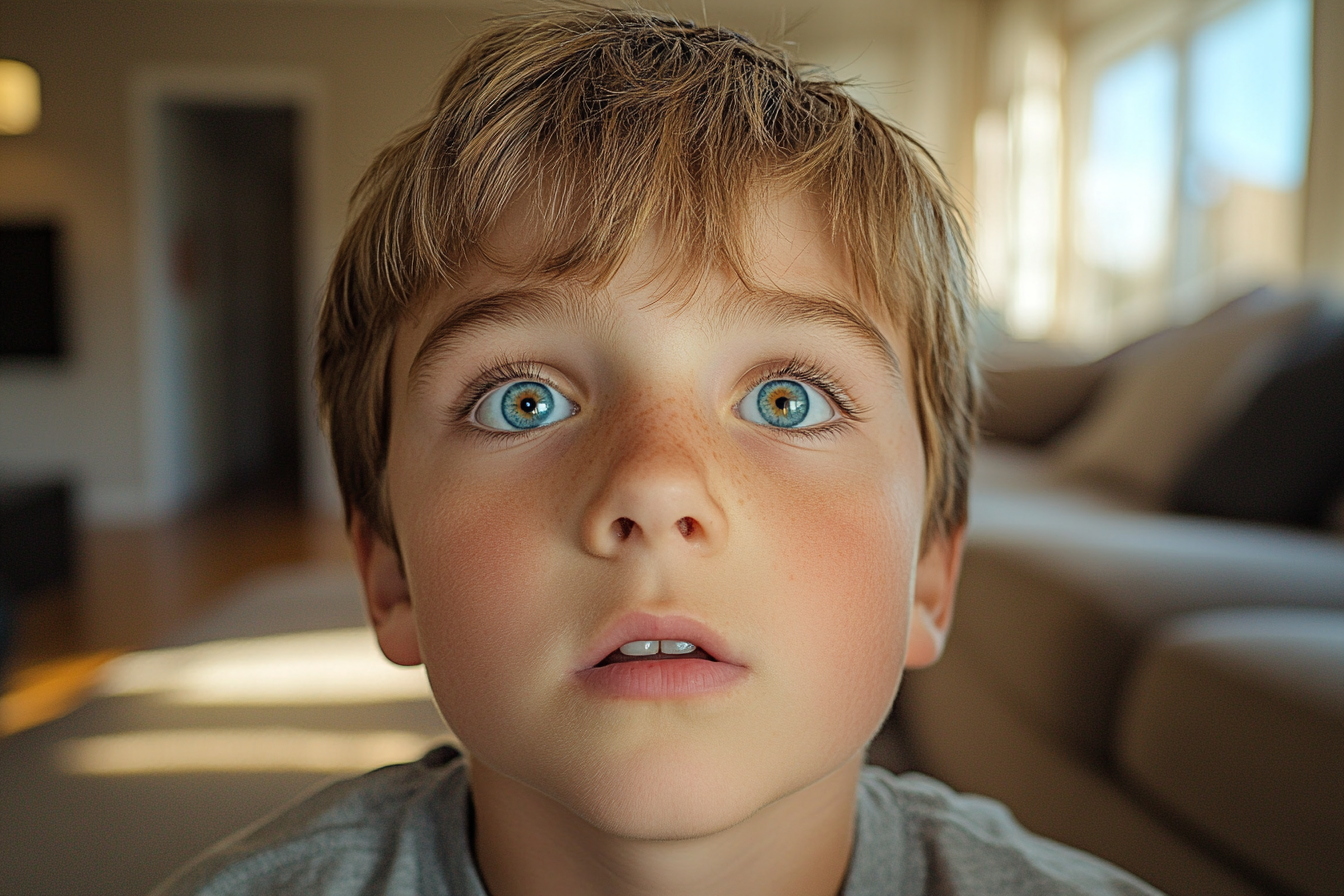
x,y
650,627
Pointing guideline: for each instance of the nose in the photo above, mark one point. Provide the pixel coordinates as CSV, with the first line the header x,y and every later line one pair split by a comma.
x,y
655,496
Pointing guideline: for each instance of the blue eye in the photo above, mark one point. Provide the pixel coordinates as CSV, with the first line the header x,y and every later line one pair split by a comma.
x,y
521,406
785,404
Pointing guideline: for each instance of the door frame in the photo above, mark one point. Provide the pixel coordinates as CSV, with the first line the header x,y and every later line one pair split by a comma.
x,y
165,489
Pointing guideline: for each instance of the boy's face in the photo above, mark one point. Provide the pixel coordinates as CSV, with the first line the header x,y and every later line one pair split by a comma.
x,y
570,471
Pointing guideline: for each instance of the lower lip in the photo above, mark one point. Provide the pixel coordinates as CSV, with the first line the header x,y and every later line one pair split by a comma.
x,y
662,679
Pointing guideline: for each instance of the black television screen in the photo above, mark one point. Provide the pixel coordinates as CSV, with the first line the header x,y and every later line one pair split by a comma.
x,y
30,318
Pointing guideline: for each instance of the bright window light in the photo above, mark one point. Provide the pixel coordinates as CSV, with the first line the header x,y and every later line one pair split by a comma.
x,y
1250,97
326,667
1130,171
187,750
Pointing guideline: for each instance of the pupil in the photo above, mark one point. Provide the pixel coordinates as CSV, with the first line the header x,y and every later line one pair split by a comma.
x,y
528,405
782,403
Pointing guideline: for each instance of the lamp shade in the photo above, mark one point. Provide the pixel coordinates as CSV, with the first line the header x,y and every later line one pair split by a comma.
x,y
20,97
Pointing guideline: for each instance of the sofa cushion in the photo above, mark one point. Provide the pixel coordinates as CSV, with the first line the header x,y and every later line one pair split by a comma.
x,y
1234,721
1163,397
1282,459
1030,405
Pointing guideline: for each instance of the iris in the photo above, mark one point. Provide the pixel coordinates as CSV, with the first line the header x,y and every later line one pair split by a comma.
x,y
782,403
526,405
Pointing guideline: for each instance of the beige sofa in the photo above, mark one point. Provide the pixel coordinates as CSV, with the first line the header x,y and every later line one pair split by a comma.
x,y
1165,690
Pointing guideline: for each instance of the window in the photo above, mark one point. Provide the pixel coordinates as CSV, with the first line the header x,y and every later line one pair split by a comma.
x,y
1246,148
1186,128
1125,185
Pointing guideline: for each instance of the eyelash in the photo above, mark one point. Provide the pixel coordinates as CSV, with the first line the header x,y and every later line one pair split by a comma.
x,y
812,374
504,370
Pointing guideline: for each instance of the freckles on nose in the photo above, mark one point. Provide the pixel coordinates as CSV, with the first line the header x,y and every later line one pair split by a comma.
x,y
656,484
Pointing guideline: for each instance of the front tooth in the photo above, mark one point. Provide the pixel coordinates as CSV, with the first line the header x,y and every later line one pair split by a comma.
x,y
641,648
677,647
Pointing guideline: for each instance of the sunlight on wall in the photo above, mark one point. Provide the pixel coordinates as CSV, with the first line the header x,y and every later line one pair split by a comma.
x,y
1018,159
1035,124
330,667
241,750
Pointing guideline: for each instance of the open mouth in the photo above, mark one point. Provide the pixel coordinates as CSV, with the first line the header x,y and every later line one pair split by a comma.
x,y
641,651
671,658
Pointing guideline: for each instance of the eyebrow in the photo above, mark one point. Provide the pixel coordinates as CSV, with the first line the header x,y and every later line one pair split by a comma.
x,y
788,308
523,306
498,309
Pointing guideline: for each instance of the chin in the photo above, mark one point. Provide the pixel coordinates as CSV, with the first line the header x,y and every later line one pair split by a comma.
x,y
683,804
674,792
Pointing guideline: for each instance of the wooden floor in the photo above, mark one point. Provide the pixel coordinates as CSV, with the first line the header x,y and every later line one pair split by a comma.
x,y
135,585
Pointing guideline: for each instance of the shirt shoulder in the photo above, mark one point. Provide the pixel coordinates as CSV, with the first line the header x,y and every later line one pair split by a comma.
x,y
917,836
401,829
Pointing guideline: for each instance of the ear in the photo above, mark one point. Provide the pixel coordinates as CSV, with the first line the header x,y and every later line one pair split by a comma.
x,y
935,587
386,594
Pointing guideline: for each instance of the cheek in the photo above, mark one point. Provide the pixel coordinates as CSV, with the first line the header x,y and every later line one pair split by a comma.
x,y
844,555
853,567
480,569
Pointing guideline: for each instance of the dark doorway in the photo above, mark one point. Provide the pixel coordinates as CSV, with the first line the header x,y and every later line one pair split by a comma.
x,y
231,248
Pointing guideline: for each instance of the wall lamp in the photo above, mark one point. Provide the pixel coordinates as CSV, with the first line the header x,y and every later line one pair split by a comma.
x,y
20,97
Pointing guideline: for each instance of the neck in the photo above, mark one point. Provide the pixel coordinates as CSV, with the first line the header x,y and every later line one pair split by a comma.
x,y
528,844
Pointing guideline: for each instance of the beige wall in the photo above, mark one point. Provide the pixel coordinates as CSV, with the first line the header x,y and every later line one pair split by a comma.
x,y
372,68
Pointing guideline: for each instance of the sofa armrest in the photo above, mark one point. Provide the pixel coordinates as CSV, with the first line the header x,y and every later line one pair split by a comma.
x,y
1053,604
1233,720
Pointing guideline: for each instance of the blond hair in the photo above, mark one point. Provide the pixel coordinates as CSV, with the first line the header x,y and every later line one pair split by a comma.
x,y
608,121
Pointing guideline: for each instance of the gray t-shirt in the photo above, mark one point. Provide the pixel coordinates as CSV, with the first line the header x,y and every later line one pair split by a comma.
x,y
404,830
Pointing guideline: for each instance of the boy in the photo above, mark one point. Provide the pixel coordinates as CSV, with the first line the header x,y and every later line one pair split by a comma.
x,y
646,370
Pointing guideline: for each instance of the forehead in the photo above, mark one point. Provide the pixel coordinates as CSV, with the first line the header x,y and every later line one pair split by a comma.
x,y
789,270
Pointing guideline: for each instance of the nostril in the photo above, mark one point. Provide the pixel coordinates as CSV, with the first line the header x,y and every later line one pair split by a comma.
x,y
623,526
686,526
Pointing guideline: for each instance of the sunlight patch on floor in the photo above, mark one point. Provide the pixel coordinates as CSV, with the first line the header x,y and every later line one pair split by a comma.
x,y
343,666
190,750
49,690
